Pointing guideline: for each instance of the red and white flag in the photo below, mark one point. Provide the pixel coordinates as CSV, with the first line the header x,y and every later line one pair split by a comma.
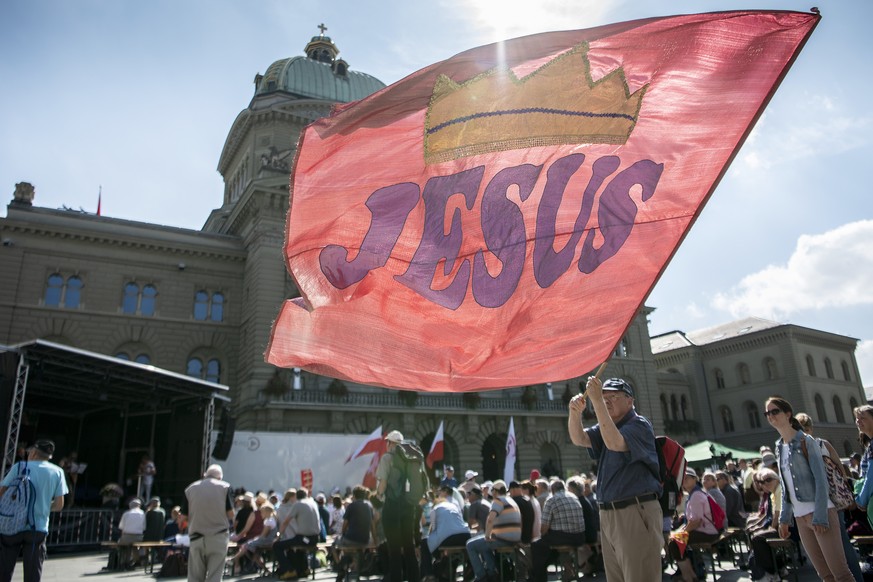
x,y
374,443
498,219
509,468
436,448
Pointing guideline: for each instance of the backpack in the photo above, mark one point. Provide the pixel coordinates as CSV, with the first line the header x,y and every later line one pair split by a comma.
x,y
174,566
671,472
16,506
718,514
407,480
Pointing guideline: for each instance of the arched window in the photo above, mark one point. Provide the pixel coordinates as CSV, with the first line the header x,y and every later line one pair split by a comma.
x,y
73,294
213,371
59,292
147,304
820,408
123,356
201,305
838,410
208,306
810,365
848,449
195,368
217,311
674,407
829,368
752,414
846,376
130,298
665,411
770,369
719,378
853,403
727,419
744,374
143,359
683,404
54,289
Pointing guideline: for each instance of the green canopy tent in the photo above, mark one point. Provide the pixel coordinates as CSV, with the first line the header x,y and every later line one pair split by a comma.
x,y
706,451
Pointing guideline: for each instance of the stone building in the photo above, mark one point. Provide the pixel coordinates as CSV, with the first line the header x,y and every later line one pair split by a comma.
x,y
201,303
713,383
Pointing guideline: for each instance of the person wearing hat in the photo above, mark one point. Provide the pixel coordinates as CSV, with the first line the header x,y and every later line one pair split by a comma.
x,y
50,486
698,526
628,490
132,526
399,518
469,481
210,514
449,479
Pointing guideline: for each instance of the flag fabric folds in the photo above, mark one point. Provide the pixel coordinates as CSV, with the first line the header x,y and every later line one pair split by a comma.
x,y
436,448
498,219
509,467
374,443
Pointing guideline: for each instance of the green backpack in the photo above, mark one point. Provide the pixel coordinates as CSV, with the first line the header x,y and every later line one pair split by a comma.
x,y
407,480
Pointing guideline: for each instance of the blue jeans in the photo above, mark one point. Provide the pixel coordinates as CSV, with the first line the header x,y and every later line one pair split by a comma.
x,y
481,554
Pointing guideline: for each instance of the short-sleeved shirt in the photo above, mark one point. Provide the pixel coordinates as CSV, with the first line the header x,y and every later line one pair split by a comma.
x,y
305,517
563,512
359,516
446,521
506,525
208,502
48,481
697,507
626,474
525,508
478,513
133,521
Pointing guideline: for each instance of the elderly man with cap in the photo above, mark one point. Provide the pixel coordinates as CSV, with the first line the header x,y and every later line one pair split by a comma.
x,y
50,486
131,526
399,517
623,443
449,479
210,513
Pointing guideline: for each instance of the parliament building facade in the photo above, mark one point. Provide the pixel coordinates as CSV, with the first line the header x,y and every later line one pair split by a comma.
x,y
201,303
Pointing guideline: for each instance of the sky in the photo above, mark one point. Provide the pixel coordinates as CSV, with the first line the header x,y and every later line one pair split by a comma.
x,y
135,99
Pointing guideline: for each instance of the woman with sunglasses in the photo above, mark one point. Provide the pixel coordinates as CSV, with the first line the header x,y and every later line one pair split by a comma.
x,y
864,485
805,494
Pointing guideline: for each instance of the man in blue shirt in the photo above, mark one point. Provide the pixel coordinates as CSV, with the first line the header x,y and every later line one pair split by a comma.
x,y
623,443
50,486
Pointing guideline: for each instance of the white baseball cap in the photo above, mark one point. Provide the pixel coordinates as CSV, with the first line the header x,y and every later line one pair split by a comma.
x,y
395,436
470,474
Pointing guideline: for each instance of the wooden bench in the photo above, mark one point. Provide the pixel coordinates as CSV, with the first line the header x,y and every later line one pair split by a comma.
x,y
151,551
711,549
568,562
457,556
356,553
789,551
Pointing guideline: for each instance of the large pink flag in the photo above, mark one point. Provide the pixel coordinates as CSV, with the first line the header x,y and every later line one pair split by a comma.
x,y
498,219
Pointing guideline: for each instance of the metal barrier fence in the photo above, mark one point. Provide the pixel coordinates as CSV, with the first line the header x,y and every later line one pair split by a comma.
x,y
81,527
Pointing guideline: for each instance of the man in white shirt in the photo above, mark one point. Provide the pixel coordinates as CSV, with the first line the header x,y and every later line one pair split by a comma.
x,y
132,526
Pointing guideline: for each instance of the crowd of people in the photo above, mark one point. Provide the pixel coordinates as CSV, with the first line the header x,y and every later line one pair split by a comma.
x,y
616,518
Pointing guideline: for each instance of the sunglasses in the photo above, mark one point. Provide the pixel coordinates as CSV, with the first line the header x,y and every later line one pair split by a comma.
x,y
767,480
773,412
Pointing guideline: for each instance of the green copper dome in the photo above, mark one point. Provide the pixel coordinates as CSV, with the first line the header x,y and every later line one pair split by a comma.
x,y
318,75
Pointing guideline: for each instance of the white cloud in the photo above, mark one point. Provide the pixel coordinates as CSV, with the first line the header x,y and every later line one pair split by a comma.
x,y
833,269
833,129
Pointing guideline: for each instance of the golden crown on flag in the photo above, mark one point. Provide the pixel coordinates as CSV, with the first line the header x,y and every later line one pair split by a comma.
x,y
557,104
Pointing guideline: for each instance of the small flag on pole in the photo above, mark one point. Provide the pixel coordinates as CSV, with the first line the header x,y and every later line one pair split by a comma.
x,y
436,448
509,469
99,200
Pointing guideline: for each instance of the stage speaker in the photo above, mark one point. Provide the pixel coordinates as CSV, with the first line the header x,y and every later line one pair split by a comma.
x,y
224,440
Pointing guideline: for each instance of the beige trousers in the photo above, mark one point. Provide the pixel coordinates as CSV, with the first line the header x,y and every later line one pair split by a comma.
x,y
632,540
